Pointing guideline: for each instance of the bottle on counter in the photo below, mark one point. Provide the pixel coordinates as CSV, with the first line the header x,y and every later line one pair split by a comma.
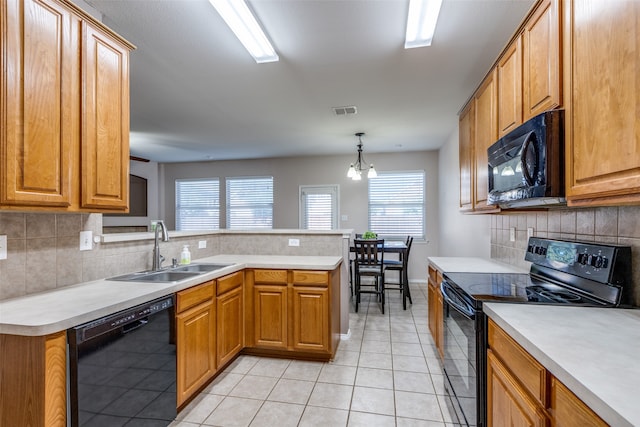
x,y
185,255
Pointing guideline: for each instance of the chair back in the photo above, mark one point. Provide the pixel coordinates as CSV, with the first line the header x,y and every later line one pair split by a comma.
x,y
369,252
409,243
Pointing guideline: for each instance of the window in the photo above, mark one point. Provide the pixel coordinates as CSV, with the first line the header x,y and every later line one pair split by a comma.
x,y
319,207
198,204
250,202
396,204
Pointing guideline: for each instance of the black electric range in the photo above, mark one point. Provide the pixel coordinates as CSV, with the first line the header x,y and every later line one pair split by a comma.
x,y
562,272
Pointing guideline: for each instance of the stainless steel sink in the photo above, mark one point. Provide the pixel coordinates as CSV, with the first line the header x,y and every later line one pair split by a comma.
x,y
200,268
166,276
171,275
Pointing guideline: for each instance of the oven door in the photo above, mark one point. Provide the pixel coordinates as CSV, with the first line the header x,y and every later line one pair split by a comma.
x,y
464,355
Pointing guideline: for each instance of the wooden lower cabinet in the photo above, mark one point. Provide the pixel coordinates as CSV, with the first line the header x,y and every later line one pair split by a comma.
x,y
508,404
294,311
435,309
568,410
270,316
230,325
310,319
521,392
196,339
33,381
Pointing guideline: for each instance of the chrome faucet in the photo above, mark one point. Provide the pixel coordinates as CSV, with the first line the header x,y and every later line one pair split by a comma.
x,y
157,258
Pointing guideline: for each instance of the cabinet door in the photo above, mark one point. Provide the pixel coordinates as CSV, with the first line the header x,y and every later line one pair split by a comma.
x,y
509,71
541,79
507,404
105,126
33,378
466,129
486,133
40,81
230,325
270,316
310,318
568,410
603,90
196,349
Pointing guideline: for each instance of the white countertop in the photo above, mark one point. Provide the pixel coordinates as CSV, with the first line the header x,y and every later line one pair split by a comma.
x,y
473,265
595,352
57,310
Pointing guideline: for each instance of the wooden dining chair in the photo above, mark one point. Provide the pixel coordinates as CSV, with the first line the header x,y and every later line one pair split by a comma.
x,y
400,266
369,264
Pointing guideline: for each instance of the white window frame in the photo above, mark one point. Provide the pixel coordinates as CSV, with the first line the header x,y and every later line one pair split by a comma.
x,y
401,190
333,190
264,205
214,207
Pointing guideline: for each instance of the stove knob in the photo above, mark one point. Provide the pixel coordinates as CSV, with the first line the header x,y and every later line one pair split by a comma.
x,y
597,261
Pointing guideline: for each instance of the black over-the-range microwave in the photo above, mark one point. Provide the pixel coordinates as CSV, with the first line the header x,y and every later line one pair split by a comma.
x,y
526,166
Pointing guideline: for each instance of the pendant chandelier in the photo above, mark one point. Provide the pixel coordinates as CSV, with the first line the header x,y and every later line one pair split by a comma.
x,y
356,169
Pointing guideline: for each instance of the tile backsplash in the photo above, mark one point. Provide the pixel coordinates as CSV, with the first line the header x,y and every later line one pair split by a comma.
x,y
617,225
43,250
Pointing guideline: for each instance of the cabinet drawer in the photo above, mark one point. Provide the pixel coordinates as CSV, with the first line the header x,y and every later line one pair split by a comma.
x,y
194,296
229,282
271,276
530,373
315,278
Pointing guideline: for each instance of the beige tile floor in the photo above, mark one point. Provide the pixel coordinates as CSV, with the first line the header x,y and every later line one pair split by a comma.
x,y
386,374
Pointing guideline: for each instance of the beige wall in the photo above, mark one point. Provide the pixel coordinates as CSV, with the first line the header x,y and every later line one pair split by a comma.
x,y
460,235
290,173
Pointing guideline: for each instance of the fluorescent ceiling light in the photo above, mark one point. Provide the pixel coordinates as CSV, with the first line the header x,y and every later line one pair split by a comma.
x,y
239,18
421,22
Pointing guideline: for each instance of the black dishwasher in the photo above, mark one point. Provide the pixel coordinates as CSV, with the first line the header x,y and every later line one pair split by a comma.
x,y
122,368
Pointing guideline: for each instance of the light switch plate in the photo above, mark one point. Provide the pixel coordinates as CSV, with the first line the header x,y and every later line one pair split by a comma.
x,y
86,240
202,244
530,232
512,234
344,218
3,247
294,242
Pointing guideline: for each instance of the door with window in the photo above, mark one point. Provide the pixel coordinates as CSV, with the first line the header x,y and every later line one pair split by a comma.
x,y
319,207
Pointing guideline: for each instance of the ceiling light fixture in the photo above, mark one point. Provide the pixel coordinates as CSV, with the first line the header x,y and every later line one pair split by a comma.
x,y
356,169
421,22
239,18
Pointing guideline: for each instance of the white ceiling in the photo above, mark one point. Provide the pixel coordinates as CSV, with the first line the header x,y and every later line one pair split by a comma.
x,y
196,94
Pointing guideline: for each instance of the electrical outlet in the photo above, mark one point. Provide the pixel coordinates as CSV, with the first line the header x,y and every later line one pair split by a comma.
x,y
3,247
512,234
86,240
344,218
294,242
202,244
530,232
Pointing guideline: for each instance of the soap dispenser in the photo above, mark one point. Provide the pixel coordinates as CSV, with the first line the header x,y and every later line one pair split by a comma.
x,y
185,255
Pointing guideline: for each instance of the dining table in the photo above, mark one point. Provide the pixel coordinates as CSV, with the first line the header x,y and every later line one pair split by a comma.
x,y
393,247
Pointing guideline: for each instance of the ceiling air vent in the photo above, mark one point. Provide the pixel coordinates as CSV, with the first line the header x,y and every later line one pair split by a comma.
x,y
345,111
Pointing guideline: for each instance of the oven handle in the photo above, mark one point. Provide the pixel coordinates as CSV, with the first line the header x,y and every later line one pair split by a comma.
x,y
529,138
465,310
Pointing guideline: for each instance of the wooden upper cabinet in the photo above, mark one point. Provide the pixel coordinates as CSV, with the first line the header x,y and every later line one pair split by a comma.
x,y
509,71
602,88
40,129
541,60
64,135
466,137
486,133
105,126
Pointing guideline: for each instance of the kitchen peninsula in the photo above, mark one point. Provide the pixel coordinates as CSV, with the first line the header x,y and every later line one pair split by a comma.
x,y
36,324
